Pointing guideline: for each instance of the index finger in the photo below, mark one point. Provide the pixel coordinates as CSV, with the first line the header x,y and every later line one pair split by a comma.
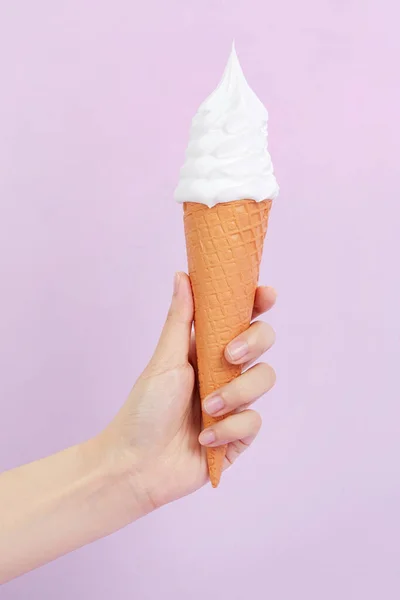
x,y
264,300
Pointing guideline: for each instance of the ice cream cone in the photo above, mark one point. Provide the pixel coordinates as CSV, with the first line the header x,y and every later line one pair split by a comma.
x,y
224,248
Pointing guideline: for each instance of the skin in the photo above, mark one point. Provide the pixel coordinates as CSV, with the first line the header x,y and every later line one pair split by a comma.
x,y
150,454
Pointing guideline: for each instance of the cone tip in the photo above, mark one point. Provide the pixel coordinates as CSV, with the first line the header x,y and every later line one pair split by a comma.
x,y
215,459
215,478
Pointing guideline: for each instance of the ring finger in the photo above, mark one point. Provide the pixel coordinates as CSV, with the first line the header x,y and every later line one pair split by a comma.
x,y
241,391
243,426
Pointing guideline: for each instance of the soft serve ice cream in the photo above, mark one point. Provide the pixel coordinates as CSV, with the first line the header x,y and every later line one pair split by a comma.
x,y
227,156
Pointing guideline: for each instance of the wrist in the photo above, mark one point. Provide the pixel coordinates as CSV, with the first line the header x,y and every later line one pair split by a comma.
x,y
117,472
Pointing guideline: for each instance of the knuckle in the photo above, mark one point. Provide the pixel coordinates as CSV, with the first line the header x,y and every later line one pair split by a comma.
x,y
269,336
236,392
176,317
262,369
234,396
266,372
264,336
255,420
171,314
273,375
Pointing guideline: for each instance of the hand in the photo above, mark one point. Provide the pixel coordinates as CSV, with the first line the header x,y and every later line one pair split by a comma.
x,y
149,454
157,431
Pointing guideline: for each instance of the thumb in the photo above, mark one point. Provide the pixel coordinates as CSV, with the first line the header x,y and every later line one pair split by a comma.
x,y
173,347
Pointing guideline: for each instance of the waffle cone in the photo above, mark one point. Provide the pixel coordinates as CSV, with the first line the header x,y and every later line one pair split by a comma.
x,y
224,247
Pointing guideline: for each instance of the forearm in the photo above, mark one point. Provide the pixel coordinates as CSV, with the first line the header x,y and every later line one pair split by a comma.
x,y
57,504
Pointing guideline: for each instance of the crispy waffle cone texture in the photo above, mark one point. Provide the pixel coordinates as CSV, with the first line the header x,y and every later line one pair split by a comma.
x,y
224,248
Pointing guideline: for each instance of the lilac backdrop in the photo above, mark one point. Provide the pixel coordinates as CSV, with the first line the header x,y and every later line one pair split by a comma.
x,y
96,101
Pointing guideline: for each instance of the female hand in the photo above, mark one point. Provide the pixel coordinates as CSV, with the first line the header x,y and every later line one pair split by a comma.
x,y
158,430
149,455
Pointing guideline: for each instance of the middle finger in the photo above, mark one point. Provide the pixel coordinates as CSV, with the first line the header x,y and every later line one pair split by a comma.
x,y
251,344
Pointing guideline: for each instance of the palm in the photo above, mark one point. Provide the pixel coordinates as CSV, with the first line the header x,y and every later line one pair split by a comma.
x,y
167,410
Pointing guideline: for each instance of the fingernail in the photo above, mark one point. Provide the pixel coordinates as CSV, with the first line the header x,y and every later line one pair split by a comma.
x,y
177,278
213,405
207,437
237,350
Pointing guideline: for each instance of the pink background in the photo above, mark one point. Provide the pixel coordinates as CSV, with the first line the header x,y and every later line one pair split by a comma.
x,y
96,101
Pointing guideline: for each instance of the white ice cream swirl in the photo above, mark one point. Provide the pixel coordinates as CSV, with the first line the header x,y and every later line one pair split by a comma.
x,y
227,157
